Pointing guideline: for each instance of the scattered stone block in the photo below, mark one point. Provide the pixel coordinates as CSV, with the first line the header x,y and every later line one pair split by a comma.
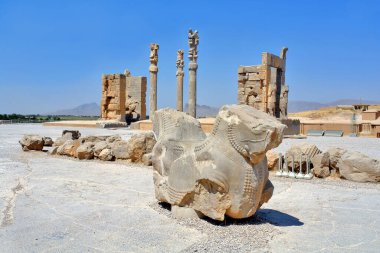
x,y
358,167
139,145
48,142
99,146
321,172
120,150
32,142
106,155
85,151
67,135
68,148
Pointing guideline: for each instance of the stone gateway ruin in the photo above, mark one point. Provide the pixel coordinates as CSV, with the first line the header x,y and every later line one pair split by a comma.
x,y
113,97
123,97
225,173
263,86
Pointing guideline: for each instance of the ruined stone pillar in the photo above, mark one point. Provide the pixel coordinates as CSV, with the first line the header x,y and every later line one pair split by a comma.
x,y
180,74
153,69
193,56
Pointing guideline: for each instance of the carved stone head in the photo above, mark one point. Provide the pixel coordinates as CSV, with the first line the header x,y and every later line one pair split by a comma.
x,y
153,57
251,132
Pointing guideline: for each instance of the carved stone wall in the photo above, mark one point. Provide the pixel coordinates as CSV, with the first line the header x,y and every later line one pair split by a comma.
x,y
136,97
113,97
263,86
123,97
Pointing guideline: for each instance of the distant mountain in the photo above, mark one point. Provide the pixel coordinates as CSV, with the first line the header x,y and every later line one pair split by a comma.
x,y
300,106
204,110
91,109
353,102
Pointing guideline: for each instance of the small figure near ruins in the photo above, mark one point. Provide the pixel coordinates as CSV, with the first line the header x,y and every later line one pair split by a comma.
x,y
193,66
153,69
180,63
284,101
225,173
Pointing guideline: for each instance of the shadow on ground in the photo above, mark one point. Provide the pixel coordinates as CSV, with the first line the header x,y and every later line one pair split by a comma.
x,y
262,216
278,218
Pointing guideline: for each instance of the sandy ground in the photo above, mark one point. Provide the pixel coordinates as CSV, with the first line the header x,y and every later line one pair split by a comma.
x,y
56,204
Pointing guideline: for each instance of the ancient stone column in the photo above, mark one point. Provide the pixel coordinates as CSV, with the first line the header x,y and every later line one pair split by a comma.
x,y
193,56
153,69
180,74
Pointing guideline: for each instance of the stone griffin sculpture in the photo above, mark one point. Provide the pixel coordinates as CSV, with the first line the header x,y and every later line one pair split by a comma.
x,y
222,174
193,44
153,56
180,62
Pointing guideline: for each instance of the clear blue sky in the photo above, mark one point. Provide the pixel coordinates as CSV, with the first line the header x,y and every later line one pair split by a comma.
x,y
53,53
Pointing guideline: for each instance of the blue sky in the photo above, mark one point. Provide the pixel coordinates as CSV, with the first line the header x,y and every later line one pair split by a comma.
x,y
53,53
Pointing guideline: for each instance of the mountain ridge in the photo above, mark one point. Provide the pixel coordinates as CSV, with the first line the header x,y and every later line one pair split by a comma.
x,y
93,109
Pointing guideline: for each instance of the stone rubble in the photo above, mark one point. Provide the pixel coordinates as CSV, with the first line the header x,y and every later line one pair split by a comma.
x,y
107,148
336,163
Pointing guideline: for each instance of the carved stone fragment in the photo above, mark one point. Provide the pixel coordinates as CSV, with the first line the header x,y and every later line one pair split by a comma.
x,y
222,174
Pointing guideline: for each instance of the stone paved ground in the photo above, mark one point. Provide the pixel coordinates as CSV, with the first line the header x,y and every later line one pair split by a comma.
x,y
56,204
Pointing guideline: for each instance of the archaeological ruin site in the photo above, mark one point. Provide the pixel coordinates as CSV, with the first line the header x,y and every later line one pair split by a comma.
x,y
158,170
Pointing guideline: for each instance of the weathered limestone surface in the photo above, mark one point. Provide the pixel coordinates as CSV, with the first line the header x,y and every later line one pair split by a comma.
x,y
85,151
113,97
321,163
355,166
32,142
139,145
135,104
48,142
66,135
263,86
272,158
120,150
99,146
223,174
106,155
68,148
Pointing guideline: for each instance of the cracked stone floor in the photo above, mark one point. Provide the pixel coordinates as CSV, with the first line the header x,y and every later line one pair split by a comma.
x,y
54,204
